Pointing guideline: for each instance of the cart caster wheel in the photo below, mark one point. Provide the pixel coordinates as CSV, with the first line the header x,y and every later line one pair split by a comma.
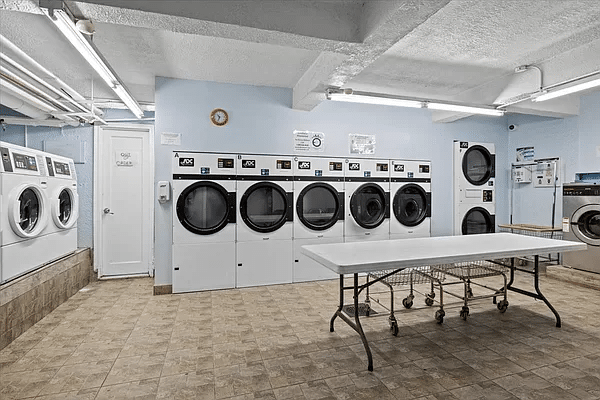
x,y
367,309
502,305
464,313
469,292
429,301
394,328
431,295
439,316
407,303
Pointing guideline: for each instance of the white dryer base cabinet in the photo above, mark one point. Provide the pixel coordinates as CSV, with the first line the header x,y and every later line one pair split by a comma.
x,y
207,266
21,257
366,236
419,231
265,262
305,268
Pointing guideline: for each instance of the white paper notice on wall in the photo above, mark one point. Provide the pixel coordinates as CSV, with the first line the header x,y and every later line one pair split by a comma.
x,y
361,144
170,138
525,153
126,158
309,142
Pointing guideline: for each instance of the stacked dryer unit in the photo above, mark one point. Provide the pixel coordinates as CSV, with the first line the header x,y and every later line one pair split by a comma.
x,y
367,191
319,208
474,188
265,220
410,188
204,221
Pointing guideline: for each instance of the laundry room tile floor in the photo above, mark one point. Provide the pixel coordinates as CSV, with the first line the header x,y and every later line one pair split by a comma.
x,y
115,340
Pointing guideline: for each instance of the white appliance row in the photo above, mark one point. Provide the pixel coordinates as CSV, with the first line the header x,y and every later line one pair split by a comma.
x,y
39,208
241,220
474,171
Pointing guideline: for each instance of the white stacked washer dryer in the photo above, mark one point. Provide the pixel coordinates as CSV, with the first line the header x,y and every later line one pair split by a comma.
x,y
367,191
63,202
410,188
23,211
474,188
319,208
204,221
265,215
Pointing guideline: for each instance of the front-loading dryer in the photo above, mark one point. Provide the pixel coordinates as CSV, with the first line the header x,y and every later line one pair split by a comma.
x,y
319,212
474,169
23,212
410,190
581,223
63,203
204,221
265,215
367,205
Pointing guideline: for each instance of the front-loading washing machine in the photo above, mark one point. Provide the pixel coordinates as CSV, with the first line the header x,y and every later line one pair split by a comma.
x,y
23,211
474,169
265,215
204,221
410,189
581,223
319,209
367,205
63,203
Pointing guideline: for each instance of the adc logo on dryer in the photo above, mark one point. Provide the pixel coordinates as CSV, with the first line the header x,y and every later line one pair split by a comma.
x,y
354,166
248,163
303,164
186,162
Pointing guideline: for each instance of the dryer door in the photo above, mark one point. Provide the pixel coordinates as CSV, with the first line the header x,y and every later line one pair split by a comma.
x,y
319,206
478,165
411,205
65,208
27,211
266,207
478,220
204,208
368,205
585,224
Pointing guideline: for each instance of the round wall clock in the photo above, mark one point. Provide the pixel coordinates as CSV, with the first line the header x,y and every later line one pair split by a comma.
x,y
219,117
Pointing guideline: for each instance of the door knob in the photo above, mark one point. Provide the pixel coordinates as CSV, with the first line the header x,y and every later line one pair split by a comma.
x,y
107,211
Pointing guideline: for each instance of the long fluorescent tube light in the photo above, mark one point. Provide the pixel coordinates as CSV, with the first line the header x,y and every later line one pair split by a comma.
x,y
568,90
366,99
91,54
465,109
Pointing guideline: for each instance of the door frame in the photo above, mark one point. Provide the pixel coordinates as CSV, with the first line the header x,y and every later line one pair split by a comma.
x,y
97,209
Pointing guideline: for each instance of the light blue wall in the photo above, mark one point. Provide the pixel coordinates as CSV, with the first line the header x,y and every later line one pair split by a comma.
x,y
262,121
85,172
572,139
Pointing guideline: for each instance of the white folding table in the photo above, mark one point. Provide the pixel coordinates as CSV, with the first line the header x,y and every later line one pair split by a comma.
x,y
370,256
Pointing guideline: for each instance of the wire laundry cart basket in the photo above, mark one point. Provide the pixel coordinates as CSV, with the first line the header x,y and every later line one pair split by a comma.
x,y
537,231
407,277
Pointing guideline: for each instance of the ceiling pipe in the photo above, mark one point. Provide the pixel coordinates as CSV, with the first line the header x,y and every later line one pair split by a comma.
x,y
20,106
71,94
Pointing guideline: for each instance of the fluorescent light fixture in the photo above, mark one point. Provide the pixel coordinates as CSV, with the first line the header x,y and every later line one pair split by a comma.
x,y
568,90
91,54
354,97
465,109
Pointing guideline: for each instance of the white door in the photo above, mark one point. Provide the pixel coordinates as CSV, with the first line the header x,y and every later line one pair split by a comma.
x,y
123,200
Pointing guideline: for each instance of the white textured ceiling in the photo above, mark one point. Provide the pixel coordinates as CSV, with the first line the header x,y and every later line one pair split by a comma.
x,y
460,50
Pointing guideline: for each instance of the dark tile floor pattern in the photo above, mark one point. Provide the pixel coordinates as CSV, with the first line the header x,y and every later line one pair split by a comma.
x,y
114,340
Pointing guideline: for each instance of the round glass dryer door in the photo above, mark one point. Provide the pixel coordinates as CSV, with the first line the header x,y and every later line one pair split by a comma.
x,y
367,205
26,211
30,209
586,224
478,220
264,207
65,207
478,165
410,205
318,206
204,208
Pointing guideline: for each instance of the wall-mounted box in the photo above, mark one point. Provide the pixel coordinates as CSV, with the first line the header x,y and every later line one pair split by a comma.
x,y
522,173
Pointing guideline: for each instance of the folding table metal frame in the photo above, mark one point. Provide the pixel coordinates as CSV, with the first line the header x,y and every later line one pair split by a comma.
x,y
396,255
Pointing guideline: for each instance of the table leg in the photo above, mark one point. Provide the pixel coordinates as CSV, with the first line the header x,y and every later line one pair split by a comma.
x,y
341,306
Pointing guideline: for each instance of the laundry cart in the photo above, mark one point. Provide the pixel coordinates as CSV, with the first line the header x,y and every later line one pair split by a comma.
x,y
407,277
537,231
467,274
